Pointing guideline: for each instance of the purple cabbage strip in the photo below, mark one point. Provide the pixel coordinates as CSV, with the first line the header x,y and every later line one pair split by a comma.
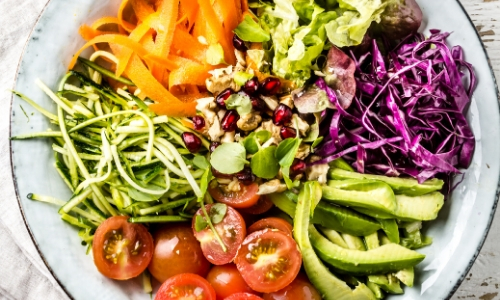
x,y
408,114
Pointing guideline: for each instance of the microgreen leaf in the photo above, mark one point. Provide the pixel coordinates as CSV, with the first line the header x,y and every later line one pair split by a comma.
x,y
200,223
240,78
229,158
285,153
205,179
264,163
240,102
317,142
218,212
253,141
201,162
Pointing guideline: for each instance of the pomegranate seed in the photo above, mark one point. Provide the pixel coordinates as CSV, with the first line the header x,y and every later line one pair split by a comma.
x,y
282,115
192,142
214,145
298,167
246,176
270,86
251,86
229,120
258,104
198,122
287,132
223,97
239,44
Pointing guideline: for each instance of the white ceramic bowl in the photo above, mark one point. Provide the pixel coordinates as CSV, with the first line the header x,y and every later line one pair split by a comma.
x,y
458,233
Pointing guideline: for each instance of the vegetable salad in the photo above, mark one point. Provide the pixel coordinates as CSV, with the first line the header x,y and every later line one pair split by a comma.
x,y
268,149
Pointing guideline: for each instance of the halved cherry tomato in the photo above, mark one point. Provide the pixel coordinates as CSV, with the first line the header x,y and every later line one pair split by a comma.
x,y
300,288
186,286
243,296
271,223
245,197
263,205
176,251
232,231
268,260
121,250
226,280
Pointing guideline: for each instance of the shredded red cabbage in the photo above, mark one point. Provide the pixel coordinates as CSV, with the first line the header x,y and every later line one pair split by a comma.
x,y
408,115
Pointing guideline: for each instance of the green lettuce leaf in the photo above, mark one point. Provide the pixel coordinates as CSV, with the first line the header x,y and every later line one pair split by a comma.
x,y
250,31
355,19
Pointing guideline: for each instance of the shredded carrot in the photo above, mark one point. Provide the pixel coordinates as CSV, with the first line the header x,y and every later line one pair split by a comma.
x,y
217,29
127,42
161,46
187,124
126,25
188,45
142,9
168,15
190,7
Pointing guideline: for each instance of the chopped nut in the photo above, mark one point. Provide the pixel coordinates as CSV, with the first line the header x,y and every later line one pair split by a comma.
x,y
228,137
271,101
207,107
273,129
303,151
287,100
215,131
221,113
272,186
240,58
249,121
317,172
223,180
217,85
233,186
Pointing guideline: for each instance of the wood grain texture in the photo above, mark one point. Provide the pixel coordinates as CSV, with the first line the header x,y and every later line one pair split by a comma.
x,y
483,280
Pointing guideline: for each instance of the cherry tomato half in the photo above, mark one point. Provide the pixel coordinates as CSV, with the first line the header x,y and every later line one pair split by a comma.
x,y
232,231
121,250
176,251
263,205
243,296
186,286
271,223
300,288
246,197
226,280
268,260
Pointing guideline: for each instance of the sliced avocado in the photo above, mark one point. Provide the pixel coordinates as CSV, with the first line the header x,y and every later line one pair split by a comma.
x,y
418,208
330,216
333,236
329,286
390,227
385,259
388,283
377,291
372,241
341,164
415,240
407,186
406,276
353,242
369,194
382,237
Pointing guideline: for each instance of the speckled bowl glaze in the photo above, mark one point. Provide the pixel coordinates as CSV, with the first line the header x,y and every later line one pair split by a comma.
x,y
458,233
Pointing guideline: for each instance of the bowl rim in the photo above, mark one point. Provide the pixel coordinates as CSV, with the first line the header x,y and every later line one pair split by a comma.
x,y
450,294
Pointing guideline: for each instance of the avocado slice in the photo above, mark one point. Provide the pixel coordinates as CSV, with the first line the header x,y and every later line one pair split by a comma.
x,y
333,236
391,229
353,242
364,193
385,259
338,218
377,291
406,276
388,283
418,208
407,186
372,241
340,163
330,287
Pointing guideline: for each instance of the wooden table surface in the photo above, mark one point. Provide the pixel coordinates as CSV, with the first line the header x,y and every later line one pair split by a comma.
x,y
483,280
